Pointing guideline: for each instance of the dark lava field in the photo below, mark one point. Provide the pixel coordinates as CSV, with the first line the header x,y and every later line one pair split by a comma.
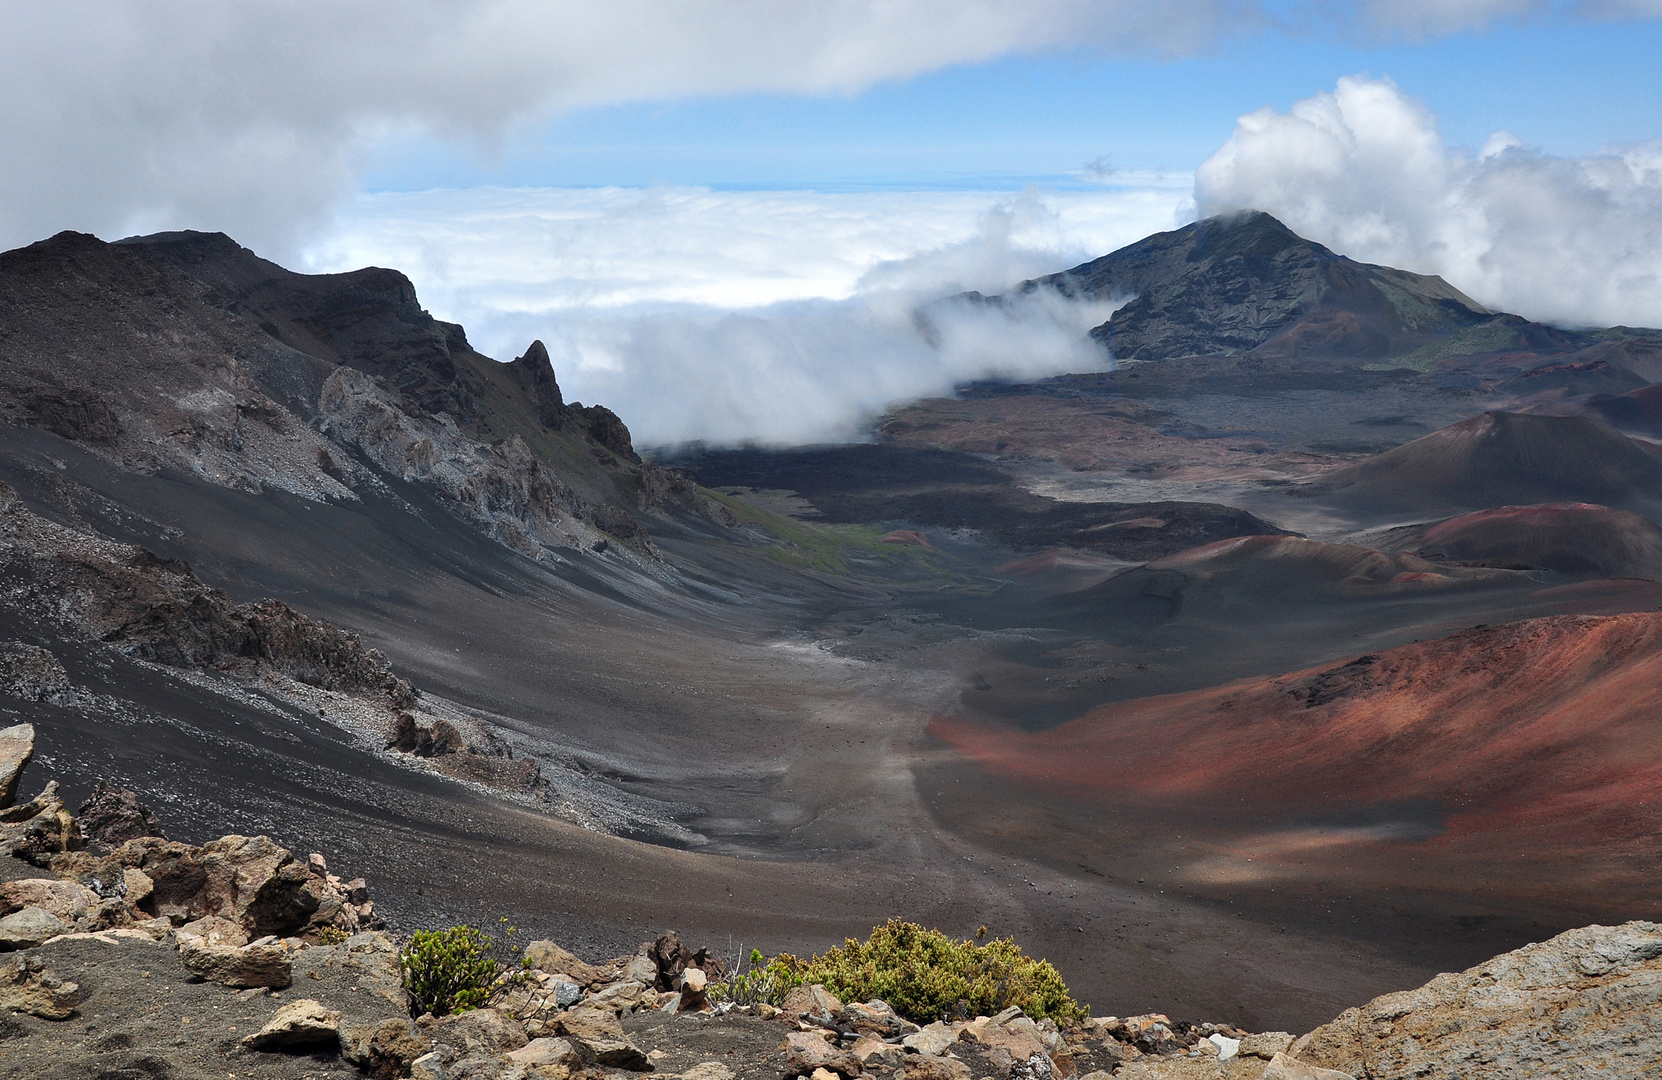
x,y
1308,651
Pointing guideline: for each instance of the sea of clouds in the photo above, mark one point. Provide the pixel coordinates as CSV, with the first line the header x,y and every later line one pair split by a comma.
x,y
780,317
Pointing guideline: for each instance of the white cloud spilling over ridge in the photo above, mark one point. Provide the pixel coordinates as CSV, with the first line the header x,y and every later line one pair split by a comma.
x,y
779,317
254,117
1363,170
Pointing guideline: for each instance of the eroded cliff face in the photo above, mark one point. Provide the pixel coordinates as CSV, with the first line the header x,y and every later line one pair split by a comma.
x,y
184,351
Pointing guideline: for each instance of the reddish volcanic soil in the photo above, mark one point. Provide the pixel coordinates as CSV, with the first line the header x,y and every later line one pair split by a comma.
x,y
1502,769
1578,540
1502,459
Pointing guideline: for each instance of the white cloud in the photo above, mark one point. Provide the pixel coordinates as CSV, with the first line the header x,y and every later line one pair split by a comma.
x,y
776,316
252,117
1364,170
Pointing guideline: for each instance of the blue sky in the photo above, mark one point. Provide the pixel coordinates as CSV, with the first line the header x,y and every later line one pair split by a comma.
x,y
1566,85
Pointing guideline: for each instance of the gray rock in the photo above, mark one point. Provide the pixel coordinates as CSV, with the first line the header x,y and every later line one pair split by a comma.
x,y
567,994
1586,1003
17,746
429,1067
27,928
31,673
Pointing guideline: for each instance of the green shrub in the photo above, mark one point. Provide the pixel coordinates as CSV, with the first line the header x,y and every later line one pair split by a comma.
x,y
461,968
926,976
757,979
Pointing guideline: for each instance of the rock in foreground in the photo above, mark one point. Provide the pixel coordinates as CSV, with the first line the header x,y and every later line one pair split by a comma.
x,y
1586,1003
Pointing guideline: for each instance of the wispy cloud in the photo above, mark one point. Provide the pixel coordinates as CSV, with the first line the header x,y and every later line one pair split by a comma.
x,y
1364,170
775,316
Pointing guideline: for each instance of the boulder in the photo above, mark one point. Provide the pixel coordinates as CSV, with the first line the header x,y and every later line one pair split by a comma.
x,y
37,830
806,1051
17,746
810,999
429,1067
27,928
114,816
549,957
931,1041
27,985
615,1054
253,881
694,995
936,1068
1282,1067
1587,1002
545,1052
587,1023
1265,1044
65,900
490,1032
640,968
299,1023
242,967
383,1047
620,997
708,1070
211,930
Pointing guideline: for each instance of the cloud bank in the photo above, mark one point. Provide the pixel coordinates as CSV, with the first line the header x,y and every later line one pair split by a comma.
x,y
1364,170
781,317
254,117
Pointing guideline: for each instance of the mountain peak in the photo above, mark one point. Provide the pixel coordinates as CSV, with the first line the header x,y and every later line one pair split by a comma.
x,y
1246,283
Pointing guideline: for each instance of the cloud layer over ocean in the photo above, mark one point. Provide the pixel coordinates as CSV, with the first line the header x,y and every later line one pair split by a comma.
x,y
775,316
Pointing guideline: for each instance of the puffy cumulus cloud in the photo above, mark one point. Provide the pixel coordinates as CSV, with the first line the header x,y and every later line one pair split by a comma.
x,y
252,117
1364,170
783,317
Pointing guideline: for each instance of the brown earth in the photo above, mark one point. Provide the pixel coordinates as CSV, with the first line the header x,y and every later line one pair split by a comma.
x,y
1516,763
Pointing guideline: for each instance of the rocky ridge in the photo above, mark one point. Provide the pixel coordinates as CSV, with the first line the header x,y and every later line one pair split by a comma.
x,y
185,351
144,956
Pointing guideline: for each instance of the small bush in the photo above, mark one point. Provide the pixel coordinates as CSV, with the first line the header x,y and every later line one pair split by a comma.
x,y
926,976
756,979
461,968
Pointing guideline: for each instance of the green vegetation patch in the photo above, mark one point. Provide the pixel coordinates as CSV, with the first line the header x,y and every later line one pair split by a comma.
x,y
1492,336
926,976
461,968
804,545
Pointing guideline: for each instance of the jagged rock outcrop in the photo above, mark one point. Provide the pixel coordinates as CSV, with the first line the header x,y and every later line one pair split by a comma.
x,y
113,816
17,746
1586,1003
324,386
158,610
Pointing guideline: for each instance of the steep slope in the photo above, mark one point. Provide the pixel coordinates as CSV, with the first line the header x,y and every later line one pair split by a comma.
x,y
1248,284
1501,459
185,351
